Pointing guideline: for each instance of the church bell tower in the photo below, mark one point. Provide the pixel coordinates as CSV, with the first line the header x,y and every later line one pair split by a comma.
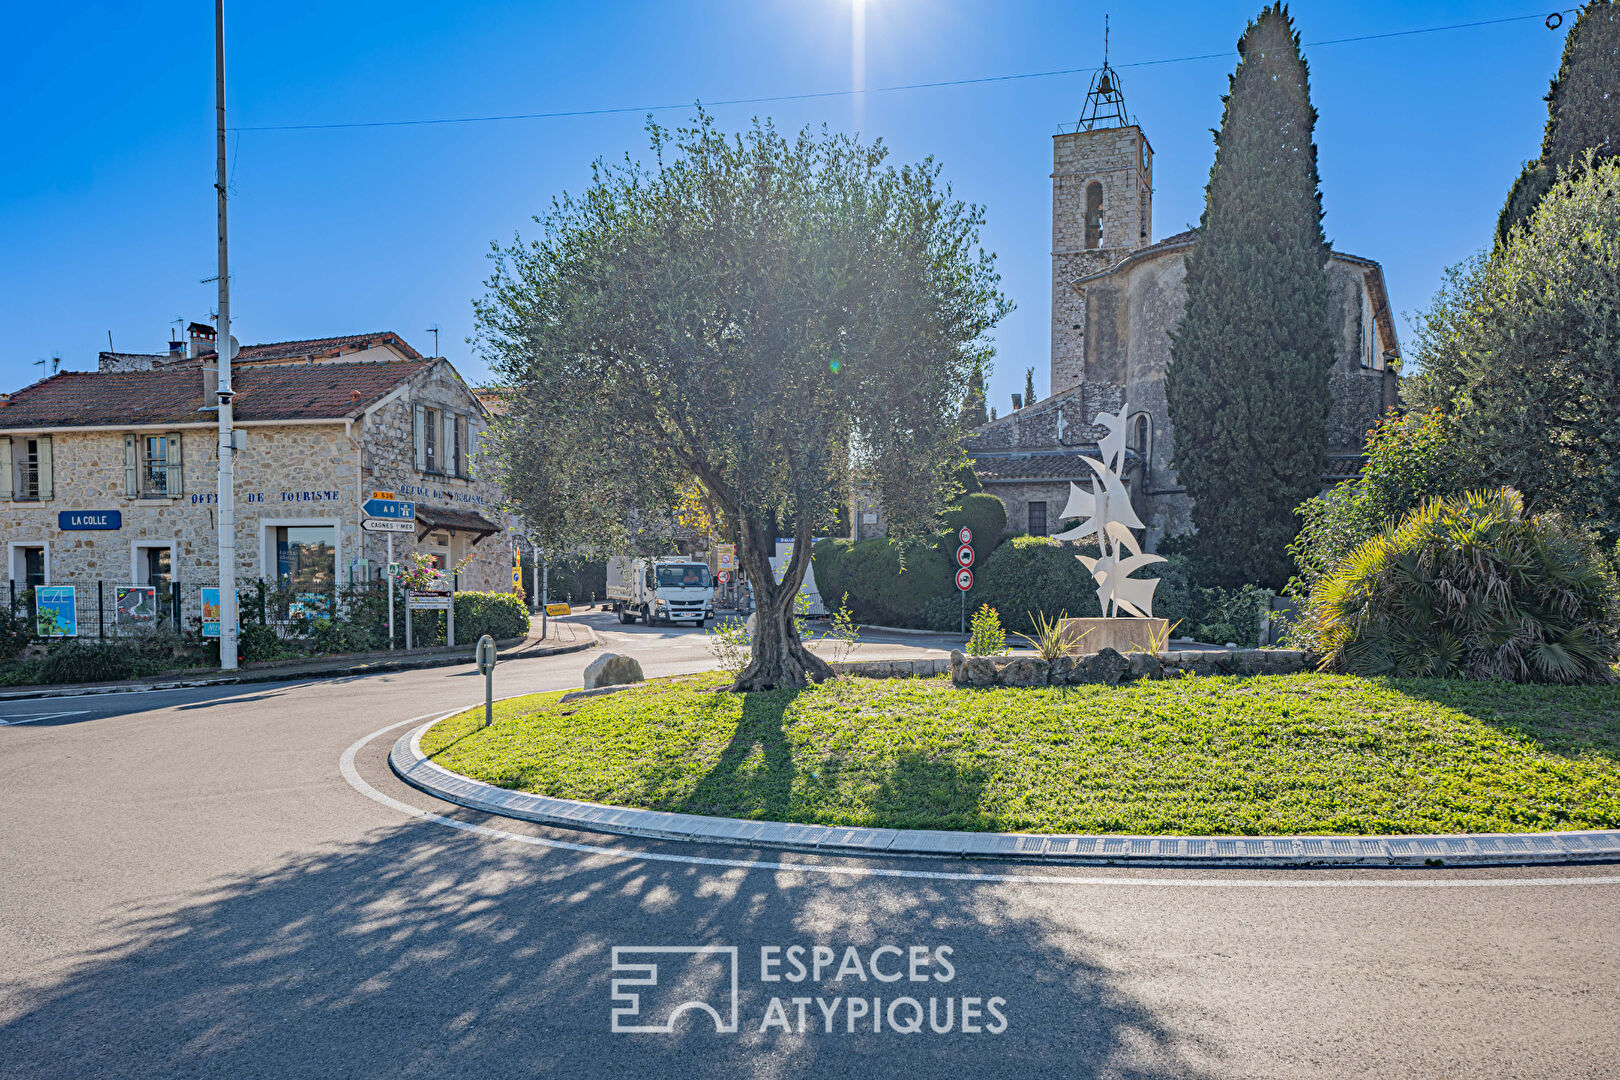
x,y
1102,210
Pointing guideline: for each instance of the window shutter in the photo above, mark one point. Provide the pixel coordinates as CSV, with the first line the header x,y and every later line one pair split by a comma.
x,y
6,479
447,455
172,469
45,483
131,464
419,439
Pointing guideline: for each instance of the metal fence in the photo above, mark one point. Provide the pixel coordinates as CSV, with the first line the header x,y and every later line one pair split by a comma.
x,y
90,608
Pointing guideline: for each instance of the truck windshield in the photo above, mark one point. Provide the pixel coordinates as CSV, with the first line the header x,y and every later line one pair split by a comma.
x,y
691,576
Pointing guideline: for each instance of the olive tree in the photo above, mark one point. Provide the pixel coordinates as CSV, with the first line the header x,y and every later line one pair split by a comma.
x,y
773,320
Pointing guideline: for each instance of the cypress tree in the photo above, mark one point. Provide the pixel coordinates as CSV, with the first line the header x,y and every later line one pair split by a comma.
x,y
973,414
1247,387
1583,112
1029,386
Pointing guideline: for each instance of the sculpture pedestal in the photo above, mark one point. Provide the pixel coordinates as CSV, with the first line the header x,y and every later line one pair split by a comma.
x,y
1124,635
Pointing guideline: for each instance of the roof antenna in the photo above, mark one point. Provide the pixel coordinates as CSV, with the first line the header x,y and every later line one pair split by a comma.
x,y
434,330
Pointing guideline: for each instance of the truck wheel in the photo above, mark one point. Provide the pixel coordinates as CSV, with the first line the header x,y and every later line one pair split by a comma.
x,y
624,615
647,615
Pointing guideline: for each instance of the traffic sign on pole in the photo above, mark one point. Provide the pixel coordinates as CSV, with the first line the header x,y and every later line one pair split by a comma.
x,y
964,556
964,579
384,525
391,509
965,535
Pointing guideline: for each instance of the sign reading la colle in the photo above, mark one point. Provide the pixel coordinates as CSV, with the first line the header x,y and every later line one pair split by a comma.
x,y
77,520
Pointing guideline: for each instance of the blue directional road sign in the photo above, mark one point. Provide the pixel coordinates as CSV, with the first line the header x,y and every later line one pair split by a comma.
x,y
390,509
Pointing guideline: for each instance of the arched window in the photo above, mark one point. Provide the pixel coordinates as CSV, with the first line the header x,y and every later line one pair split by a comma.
x,y
1094,207
1141,437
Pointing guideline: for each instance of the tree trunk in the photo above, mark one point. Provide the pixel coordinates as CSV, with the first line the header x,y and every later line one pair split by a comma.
x,y
778,658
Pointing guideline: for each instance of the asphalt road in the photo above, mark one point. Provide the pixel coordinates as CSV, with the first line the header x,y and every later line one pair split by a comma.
x,y
189,886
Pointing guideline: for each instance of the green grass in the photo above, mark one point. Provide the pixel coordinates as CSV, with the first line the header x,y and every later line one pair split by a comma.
x,y
1277,754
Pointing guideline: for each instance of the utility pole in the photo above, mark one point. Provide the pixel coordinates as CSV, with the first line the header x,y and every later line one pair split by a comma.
x,y
227,438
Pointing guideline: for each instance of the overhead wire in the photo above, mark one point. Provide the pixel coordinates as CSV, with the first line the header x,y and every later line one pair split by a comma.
x,y
815,94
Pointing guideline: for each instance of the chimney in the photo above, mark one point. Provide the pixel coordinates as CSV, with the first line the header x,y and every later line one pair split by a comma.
x,y
210,373
1018,402
177,350
202,340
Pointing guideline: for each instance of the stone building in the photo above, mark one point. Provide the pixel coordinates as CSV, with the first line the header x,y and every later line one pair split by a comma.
x,y
1116,296
111,476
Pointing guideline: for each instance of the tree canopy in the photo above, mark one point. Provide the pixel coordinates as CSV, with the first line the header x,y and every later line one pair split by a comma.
x,y
1520,348
1583,111
1247,386
773,319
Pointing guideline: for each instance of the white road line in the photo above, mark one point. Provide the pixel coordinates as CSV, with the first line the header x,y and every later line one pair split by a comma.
x,y
41,716
346,766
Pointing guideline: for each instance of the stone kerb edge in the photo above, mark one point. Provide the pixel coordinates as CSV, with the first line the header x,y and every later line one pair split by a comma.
x,y
1468,849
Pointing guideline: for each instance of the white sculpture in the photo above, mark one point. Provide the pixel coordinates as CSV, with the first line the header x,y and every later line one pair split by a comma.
x,y
1107,512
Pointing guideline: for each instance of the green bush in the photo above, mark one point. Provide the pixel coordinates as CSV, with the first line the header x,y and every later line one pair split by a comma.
x,y
1030,575
889,582
15,631
259,643
1410,458
1472,587
73,661
988,639
1211,615
499,614
985,514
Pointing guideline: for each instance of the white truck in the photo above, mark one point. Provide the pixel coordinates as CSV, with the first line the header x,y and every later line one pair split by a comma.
x,y
670,589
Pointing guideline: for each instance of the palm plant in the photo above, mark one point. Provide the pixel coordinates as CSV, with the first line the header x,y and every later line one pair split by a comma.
x,y
1472,587
1047,641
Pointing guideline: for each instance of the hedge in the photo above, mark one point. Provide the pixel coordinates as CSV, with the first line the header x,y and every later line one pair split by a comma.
x,y
1031,575
498,614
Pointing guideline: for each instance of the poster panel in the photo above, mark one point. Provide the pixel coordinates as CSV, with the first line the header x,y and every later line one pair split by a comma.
x,y
58,611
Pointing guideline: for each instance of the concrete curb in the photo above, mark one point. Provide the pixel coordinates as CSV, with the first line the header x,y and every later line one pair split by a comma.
x,y
262,675
1471,849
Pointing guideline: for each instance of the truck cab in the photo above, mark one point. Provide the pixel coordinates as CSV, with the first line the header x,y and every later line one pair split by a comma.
x,y
663,590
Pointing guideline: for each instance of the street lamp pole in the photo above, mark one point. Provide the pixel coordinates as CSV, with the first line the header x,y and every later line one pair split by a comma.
x,y
227,439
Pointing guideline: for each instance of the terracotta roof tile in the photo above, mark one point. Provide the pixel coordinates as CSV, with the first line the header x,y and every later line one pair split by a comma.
x,y
174,394
319,347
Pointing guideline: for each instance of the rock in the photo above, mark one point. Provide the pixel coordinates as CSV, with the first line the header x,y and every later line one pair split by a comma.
x,y
1144,665
958,658
1024,671
1061,671
1106,666
611,669
978,671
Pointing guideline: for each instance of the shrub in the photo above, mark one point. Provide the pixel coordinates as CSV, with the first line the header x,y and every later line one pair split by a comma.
x,y
988,639
498,614
1031,574
1470,586
888,582
259,642
15,631
985,514
1410,458
1211,615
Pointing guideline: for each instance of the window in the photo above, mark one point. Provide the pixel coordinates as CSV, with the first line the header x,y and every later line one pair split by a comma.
x,y
306,557
30,565
442,442
691,576
1037,519
154,565
25,468
1142,435
1094,210
152,466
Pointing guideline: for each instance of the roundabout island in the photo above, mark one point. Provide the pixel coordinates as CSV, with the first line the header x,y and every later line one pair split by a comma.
x,y
1303,769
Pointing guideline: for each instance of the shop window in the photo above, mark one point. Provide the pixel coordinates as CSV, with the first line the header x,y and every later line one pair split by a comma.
x,y
306,558
25,468
1037,519
152,466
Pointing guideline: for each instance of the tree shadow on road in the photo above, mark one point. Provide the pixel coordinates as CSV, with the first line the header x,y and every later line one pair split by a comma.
x,y
429,952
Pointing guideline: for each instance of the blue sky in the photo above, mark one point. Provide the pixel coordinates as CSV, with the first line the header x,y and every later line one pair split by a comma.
x,y
106,201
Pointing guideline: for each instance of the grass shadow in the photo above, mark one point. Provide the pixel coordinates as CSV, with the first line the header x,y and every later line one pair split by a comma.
x,y
925,791
1573,722
738,787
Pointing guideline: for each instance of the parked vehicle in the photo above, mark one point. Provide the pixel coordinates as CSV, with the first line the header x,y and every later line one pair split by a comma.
x,y
660,590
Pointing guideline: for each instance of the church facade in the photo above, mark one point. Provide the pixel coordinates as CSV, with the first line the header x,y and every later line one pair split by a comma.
x,y
1116,297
